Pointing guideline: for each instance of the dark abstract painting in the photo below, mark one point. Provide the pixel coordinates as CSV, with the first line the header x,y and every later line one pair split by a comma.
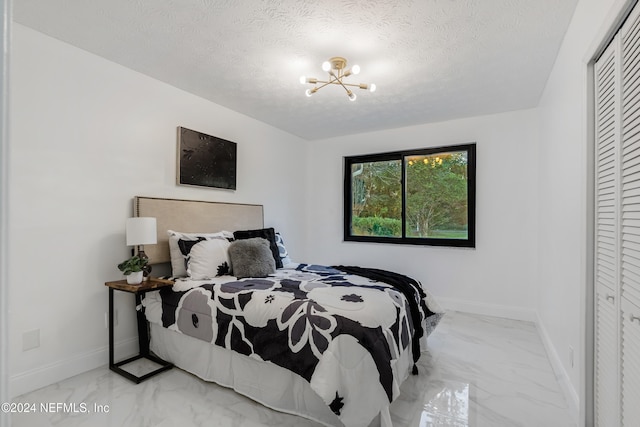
x,y
206,160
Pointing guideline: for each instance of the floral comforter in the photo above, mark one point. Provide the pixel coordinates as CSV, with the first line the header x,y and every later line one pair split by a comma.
x,y
329,327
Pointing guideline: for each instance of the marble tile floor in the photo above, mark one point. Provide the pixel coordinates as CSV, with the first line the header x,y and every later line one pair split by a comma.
x,y
478,371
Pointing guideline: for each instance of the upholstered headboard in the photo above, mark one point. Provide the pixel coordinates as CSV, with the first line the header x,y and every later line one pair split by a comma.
x,y
193,216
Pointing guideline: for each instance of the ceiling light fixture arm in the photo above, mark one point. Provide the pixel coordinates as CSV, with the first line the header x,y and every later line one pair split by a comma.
x,y
336,68
350,94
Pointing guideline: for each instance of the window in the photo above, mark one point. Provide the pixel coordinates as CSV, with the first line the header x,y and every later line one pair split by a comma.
x,y
421,197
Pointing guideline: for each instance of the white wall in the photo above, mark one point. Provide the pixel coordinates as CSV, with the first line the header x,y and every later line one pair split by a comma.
x,y
5,33
498,277
562,211
88,135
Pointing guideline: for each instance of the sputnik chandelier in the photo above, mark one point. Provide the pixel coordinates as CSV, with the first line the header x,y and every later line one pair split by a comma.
x,y
336,67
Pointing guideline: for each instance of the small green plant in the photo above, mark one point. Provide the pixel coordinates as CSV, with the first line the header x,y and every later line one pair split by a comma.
x,y
132,265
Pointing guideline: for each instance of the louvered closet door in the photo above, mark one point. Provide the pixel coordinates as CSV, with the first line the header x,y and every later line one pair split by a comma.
x,y
607,386
630,232
630,364
607,91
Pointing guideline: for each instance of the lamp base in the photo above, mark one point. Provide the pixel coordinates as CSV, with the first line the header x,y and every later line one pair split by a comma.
x,y
146,270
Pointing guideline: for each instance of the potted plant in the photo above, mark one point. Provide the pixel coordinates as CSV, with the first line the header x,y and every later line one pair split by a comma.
x,y
133,269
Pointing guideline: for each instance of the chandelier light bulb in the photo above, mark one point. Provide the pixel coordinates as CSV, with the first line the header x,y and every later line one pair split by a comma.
x,y
355,69
372,87
308,92
303,80
352,96
326,66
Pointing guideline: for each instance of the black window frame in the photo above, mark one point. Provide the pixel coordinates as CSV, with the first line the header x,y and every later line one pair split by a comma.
x,y
469,242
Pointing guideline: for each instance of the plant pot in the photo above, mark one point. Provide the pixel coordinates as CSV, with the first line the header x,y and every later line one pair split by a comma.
x,y
134,278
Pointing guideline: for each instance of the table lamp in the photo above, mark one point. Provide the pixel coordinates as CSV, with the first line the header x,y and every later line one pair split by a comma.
x,y
142,231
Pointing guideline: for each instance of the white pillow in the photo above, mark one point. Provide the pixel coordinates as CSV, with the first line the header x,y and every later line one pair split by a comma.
x,y
208,258
178,263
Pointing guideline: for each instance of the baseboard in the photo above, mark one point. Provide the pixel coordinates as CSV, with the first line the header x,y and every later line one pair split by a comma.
x,y
496,310
570,394
43,376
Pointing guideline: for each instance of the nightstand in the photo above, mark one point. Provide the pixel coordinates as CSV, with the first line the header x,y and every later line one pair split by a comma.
x,y
143,333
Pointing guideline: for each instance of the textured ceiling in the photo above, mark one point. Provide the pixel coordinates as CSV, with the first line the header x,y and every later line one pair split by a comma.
x,y
431,60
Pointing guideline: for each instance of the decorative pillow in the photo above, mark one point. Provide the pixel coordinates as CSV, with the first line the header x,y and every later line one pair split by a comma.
x,y
282,250
178,264
251,258
206,258
265,233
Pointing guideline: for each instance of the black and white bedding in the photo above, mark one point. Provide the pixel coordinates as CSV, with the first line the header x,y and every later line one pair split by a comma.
x,y
335,329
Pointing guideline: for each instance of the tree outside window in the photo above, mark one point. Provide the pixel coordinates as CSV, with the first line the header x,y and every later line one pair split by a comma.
x,y
422,196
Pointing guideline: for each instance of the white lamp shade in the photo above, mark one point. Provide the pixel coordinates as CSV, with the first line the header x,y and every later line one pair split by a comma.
x,y
141,231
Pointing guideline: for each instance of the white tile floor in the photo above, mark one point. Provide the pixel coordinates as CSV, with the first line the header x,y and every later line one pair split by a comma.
x,y
478,371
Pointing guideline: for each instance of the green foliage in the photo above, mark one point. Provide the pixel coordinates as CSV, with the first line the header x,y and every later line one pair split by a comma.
x,y
436,196
132,265
376,226
377,189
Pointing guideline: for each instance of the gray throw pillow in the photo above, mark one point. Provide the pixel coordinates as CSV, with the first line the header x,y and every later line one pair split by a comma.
x,y
251,258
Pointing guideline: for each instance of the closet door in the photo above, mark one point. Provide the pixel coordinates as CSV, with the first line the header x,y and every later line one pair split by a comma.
x,y
630,232
630,364
607,252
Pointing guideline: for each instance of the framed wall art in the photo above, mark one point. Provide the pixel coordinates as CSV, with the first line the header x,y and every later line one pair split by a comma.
x,y
205,160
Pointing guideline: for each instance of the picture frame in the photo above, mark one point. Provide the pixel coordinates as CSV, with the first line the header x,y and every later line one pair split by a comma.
x,y
205,160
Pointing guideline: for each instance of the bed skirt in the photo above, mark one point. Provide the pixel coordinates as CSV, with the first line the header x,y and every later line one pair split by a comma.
x,y
266,383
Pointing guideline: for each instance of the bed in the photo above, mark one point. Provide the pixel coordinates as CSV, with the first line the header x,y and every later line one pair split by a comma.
x,y
329,343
